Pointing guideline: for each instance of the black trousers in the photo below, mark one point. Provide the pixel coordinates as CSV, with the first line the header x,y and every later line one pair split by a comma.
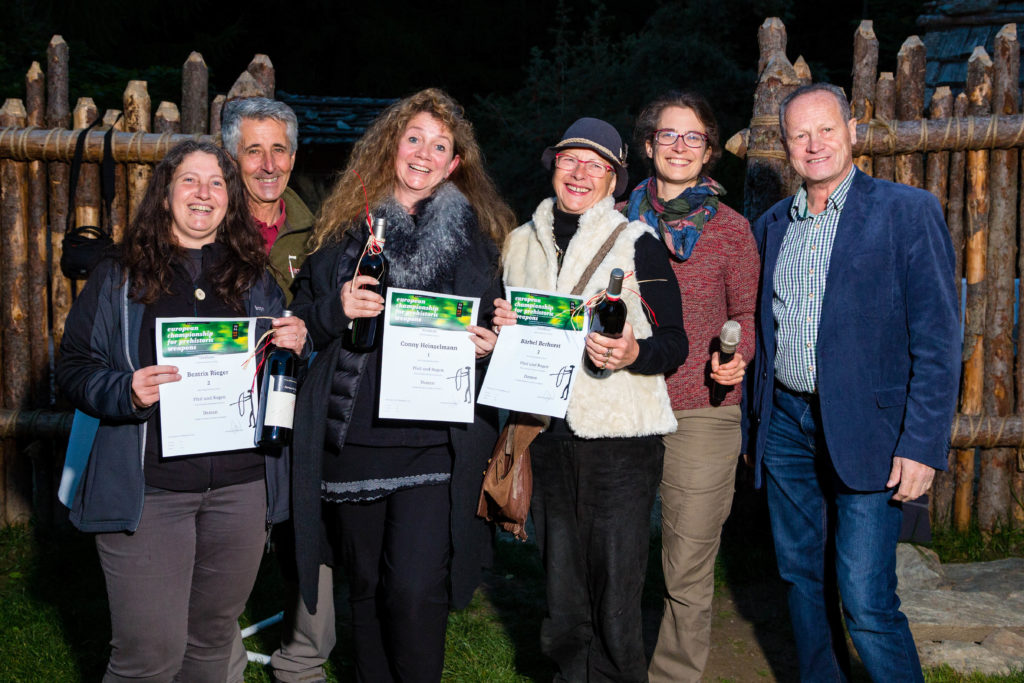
x,y
591,506
395,552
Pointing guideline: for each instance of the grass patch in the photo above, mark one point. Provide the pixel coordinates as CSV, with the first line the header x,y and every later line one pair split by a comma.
x,y
54,625
976,546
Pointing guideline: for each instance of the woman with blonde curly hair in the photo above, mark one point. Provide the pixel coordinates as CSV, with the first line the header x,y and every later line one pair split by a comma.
x,y
396,497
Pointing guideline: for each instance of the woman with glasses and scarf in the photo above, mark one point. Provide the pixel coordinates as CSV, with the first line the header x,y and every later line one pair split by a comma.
x,y
715,260
595,473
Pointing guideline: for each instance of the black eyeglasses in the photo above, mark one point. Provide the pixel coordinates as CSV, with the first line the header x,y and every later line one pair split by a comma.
x,y
691,138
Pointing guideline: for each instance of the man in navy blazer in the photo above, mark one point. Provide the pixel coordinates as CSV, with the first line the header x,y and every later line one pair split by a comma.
x,y
855,383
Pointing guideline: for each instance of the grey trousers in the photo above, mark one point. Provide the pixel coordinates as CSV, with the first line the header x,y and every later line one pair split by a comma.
x,y
177,586
697,485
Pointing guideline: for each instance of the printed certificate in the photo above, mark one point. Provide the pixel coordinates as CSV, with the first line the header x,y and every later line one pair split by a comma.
x,y
536,361
211,408
428,362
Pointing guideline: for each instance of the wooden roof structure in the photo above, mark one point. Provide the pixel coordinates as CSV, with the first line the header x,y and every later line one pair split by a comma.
x,y
325,120
953,28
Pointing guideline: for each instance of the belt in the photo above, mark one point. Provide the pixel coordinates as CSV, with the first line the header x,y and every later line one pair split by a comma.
x,y
803,395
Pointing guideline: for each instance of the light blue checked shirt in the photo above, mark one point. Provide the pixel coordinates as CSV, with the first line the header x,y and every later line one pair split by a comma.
x,y
800,285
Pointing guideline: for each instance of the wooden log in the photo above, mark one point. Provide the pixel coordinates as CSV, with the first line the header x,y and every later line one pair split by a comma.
x,y
38,272
262,72
195,104
87,197
995,488
17,499
215,109
802,70
937,182
137,118
885,112
985,431
769,176
167,120
862,92
245,86
771,38
119,208
58,115
936,174
910,72
963,469
26,144
996,464
979,96
955,207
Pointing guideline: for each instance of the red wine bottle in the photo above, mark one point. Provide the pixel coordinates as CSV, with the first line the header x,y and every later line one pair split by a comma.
x,y
364,330
607,318
277,398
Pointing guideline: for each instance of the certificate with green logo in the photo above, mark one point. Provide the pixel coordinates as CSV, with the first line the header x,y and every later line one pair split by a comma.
x,y
536,361
210,409
428,361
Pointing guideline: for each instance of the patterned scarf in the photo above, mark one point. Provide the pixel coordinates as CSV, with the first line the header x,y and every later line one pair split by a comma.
x,y
681,220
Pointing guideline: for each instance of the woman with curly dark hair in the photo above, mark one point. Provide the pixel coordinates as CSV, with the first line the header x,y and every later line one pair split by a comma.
x,y
180,538
399,496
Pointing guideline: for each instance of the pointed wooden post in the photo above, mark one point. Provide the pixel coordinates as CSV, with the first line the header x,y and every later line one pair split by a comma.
x,y
215,108
862,92
885,112
997,472
263,73
910,69
937,182
87,196
769,177
58,115
17,472
195,84
167,119
137,119
979,94
119,207
38,275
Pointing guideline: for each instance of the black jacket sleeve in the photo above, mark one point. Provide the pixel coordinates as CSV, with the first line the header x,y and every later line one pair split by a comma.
x,y
667,347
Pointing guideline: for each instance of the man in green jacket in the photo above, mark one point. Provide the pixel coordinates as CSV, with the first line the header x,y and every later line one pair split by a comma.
x,y
262,136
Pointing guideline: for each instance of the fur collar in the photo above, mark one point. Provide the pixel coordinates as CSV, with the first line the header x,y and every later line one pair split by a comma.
x,y
424,252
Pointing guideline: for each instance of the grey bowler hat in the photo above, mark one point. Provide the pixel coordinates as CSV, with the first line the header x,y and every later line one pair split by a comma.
x,y
599,136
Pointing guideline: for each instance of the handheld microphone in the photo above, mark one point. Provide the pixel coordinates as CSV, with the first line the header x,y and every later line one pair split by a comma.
x,y
728,340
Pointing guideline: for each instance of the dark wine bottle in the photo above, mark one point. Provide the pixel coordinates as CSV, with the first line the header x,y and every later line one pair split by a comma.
x,y
277,398
364,330
607,318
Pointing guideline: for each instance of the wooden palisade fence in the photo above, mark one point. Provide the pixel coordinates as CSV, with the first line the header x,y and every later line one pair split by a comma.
x,y
37,141
966,151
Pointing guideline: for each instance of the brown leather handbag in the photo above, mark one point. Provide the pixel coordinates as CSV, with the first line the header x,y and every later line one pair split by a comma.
x,y
508,479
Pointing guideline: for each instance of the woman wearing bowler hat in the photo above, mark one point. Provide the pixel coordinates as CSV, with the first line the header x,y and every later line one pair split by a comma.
x,y
596,471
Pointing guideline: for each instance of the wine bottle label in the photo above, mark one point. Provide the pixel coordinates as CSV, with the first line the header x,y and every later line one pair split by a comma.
x,y
280,402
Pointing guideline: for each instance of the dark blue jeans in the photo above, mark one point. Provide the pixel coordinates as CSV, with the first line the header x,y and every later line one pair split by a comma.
x,y
592,511
829,537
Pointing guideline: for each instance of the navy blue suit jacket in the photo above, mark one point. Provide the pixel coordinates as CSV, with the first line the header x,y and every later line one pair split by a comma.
x,y
888,351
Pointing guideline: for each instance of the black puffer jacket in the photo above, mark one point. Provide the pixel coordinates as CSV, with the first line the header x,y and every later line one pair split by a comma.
x,y
98,354
317,301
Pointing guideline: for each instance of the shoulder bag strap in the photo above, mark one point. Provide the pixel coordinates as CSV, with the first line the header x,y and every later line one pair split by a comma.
x,y
107,180
76,167
598,257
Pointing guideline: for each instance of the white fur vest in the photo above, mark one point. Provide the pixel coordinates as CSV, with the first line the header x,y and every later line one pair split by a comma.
x,y
624,404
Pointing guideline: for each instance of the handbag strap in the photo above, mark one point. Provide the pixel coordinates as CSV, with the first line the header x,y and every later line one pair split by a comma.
x,y
598,257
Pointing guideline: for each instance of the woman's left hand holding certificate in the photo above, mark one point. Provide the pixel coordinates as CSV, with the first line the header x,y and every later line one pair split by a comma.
x,y
146,383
